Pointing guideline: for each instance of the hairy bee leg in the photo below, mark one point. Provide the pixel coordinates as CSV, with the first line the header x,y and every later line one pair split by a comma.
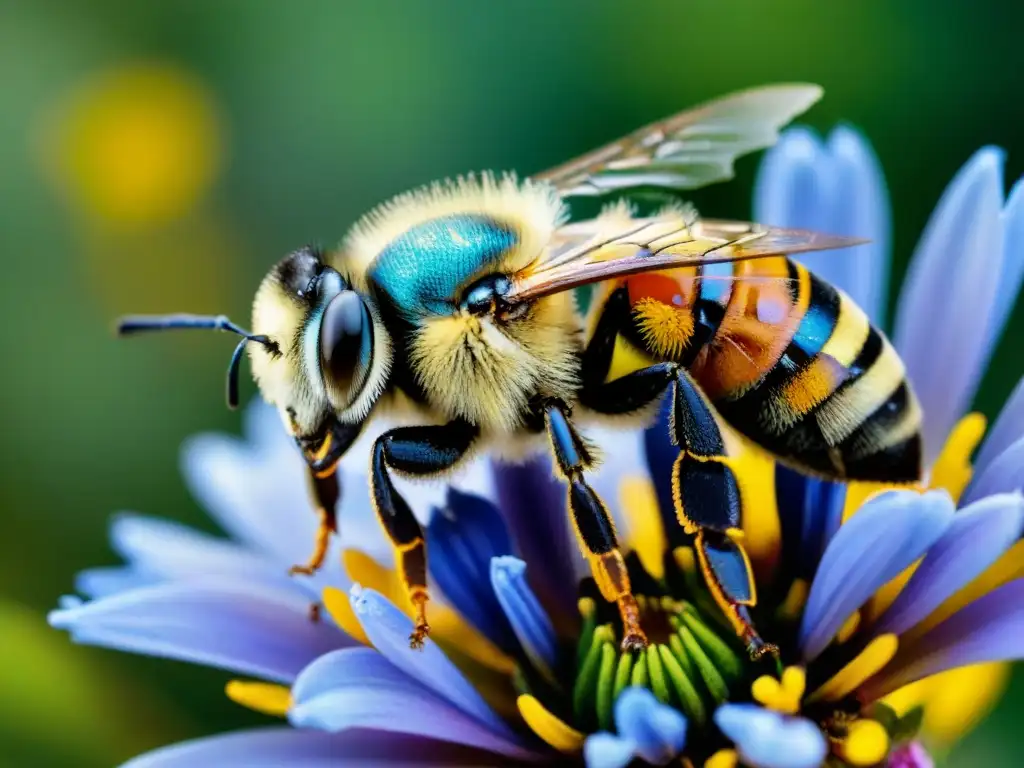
x,y
594,527
325,490
708,504
419,452
324,487
705,492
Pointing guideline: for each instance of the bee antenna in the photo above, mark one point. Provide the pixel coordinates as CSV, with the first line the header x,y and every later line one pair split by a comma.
x,y
132,324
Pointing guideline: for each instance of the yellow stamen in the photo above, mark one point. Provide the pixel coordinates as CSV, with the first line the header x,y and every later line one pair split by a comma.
x,y
954,701
849,627
551,729
447,627
953,470
723,758
755,474
639,501
866,743
1008,567
875,656
781,695
792,607
266,698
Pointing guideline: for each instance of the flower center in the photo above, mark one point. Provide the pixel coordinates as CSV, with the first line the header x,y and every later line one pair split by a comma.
x,y
688,664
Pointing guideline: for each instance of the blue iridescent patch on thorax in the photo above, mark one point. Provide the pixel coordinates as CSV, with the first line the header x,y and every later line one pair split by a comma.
x,y
422,268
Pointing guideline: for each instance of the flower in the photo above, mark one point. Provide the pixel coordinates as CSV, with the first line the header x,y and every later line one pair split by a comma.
x,y
864,597
136,147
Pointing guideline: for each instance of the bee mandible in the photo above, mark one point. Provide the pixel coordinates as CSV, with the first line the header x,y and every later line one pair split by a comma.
x,y
454,305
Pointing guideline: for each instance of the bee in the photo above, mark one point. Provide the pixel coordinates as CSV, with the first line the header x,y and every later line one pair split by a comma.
x,y
454,305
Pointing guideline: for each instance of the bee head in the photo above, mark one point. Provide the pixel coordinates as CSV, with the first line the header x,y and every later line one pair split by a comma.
x,y
334,353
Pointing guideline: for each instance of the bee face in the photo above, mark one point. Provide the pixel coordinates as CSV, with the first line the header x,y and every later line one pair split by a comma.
x,y
334,352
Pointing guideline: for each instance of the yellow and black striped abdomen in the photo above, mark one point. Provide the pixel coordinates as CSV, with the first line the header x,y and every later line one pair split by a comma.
x,y
789,361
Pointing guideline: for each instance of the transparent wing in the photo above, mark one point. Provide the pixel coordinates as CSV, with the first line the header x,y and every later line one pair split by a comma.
x,y
689,150
616,245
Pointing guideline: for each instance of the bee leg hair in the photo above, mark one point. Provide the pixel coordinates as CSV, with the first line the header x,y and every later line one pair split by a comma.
x,y
705,492
322,457
418,452
594,527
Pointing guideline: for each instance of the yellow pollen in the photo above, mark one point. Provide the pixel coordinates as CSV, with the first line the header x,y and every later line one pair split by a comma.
x,y
869,661
849,627
723,758
551,729
639,501
953,470
266,698
781,695
866,743
796,599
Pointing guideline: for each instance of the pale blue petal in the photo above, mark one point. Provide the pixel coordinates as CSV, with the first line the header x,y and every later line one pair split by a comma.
x,y
530,623
173,551
949,294
1012,274
359,688
1008,429
978,535
260,499
1004,474
606,750
105,581
766,739
793,180
281,746
885,536
227,624
836,188
657,730
989,629
860,209
389,629
463,537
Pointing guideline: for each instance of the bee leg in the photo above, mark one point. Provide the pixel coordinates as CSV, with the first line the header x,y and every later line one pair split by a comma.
x,y
705,491
708,505
419,452
322,459
594,527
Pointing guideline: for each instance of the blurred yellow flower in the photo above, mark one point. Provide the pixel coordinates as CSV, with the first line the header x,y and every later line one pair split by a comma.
x,y
135,147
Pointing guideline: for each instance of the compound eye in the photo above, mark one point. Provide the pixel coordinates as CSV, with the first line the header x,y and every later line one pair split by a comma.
x,y
346,344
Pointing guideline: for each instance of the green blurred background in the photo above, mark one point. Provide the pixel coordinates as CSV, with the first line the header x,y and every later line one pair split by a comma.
x,y
160,156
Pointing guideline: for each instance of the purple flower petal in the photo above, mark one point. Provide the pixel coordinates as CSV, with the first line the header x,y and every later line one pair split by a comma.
x,y
1003,474
389,629
463,537
606,750
530,623
989,629
1012,274
946,305
359,688
836,188
227,624
978,535
1008,428
533,502
657,731
279,746
883,538
767,739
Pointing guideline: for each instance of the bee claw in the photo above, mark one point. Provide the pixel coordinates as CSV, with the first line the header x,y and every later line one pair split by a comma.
x,y
419,636
634,641
301,570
